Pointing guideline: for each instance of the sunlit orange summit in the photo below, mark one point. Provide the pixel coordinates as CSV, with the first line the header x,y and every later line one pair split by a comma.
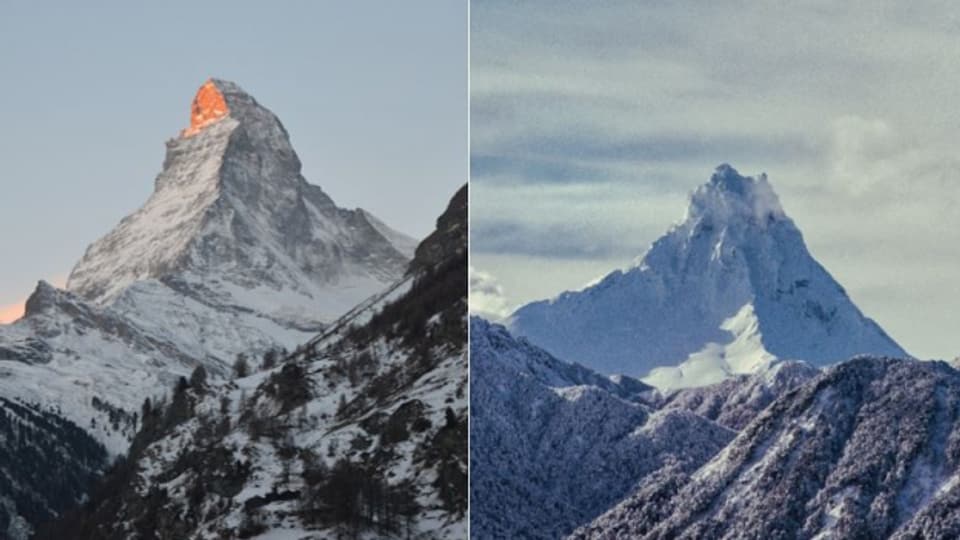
x,y
208,107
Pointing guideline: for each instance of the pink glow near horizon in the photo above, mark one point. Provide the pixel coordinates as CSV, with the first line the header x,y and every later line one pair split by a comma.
x,y
11,312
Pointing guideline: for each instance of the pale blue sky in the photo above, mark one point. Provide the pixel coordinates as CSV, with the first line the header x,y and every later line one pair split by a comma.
x,y
374,95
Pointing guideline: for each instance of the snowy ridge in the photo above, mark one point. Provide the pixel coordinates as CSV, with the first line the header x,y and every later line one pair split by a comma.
x,y
358,315
729,290
553,444
736,401
868,448
81,352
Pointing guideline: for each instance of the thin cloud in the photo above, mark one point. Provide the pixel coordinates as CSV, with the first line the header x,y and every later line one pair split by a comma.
x,y
486,296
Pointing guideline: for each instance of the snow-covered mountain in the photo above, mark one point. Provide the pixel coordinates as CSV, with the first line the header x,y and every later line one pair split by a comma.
x,y
729,290
233,224
360,433
868,449
554,444
234,252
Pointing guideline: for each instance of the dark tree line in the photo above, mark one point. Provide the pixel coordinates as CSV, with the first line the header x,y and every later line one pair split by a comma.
x,y
99,518
57,459
436,290
357,499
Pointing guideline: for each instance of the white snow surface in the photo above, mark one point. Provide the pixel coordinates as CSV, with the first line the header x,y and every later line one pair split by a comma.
x,y
742,353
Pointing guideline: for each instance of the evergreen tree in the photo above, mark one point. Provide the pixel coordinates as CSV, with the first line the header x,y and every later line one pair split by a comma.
x,y
198,379
241,368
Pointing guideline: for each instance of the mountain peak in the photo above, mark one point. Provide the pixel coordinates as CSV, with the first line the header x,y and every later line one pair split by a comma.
x,y
42,297
727,178
730,195
208,106
217,99
731,289
231,206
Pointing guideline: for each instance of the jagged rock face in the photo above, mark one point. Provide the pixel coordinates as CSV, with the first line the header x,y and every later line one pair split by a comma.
x,y
231,211
553,444
450,237
729,290
869,449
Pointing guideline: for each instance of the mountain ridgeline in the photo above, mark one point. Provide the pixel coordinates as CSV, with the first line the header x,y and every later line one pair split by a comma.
x,y
866,448
869,449
553,444
361,431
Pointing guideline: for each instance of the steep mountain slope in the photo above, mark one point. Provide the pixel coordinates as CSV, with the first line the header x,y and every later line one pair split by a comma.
x,y
46,466
360,432
729,290
868,449
234,252
554,444
91,364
